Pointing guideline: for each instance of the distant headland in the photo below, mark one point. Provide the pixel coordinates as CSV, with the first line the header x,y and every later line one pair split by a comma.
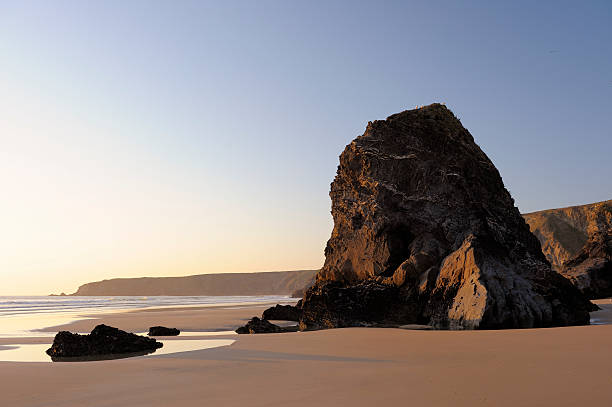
x,y
261,283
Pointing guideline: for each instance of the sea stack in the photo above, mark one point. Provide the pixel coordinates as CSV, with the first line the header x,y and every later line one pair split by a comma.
x,y
426,233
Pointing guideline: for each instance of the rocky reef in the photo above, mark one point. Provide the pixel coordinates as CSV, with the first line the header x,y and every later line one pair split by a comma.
x,y
163,331
578,242
426,233
283,313
262,326
104,342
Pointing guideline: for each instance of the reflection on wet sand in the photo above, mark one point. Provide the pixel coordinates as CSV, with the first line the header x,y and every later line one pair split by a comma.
x,y
93,358
36,352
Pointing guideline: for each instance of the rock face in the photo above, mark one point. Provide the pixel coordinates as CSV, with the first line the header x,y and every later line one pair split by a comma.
x,y
103,340
564,232
163,331
578,243
259,326
283,313
425,233
591,269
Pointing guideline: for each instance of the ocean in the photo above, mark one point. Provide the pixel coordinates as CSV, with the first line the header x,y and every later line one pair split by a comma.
x,y
25,316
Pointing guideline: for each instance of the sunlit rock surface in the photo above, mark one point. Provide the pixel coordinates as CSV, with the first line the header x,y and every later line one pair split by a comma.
x,y
426,233
578,242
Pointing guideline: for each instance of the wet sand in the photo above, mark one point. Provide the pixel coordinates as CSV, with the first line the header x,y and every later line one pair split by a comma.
x,y
209,318
356,366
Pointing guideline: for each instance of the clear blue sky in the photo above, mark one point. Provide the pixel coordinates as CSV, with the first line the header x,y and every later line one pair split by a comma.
x,y
169,138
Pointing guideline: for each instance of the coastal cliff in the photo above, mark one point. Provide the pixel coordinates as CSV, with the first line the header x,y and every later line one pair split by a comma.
x,y
578,243
268,283
426,233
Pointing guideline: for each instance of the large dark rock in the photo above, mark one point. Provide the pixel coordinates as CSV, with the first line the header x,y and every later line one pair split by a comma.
x,y
163,331
368,303
103,340
283,313
426,233
262,326
591,269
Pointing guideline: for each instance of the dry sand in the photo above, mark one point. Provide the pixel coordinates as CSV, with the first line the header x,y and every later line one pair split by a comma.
x,y
359,367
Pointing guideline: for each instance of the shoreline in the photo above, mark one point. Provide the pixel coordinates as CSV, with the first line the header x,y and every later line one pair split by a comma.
x,y
195,318
82,321
563,366
186,318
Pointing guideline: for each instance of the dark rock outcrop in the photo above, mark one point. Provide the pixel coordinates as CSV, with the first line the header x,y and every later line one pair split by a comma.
x,y
578,242
163,331
425,233
591,269
282,313
260,326
103,340
367,303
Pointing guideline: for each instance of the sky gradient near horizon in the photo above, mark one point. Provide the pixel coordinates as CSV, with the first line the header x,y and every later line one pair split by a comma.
x,y
171,138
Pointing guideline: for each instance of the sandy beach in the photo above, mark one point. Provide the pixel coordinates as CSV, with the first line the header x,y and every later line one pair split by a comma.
x,y
433,175
356,366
